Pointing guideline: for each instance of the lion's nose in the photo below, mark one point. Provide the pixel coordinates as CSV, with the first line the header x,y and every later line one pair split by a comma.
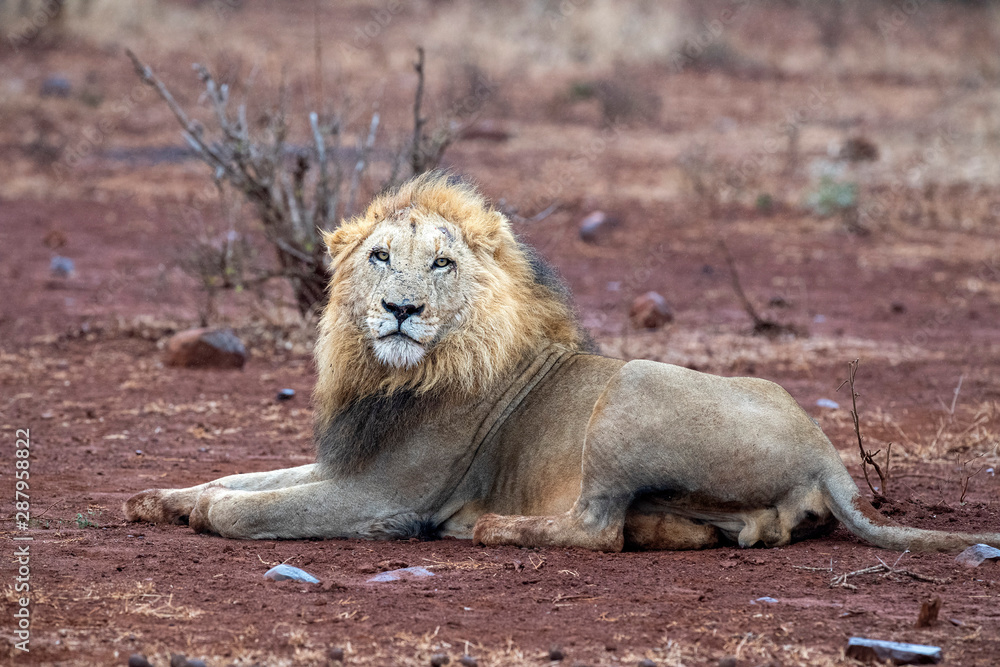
x,y
402,312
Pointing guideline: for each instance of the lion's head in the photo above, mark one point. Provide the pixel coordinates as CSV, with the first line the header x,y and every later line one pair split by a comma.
x,y
431,292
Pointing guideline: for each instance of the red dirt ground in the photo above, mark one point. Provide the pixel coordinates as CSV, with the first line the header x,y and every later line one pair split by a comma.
x,y
917,300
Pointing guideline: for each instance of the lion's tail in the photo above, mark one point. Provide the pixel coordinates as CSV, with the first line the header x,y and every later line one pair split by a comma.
x,y
847,504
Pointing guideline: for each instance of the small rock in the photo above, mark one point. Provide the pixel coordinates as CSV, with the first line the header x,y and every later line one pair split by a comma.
x,y
205,348
138,660
177,659
650,311
827,403
869,650
440,659
61,267
468,661
592,225
336,654
646,662
195,663
976,554
929,612
285,572
859,149
54,239
556,653
391,564
285,395
56,86
403,573
727,661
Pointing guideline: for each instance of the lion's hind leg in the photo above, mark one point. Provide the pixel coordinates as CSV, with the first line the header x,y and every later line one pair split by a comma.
x,y
596,524
662,530
176,505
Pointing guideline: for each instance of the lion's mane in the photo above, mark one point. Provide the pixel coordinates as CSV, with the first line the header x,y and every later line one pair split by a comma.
x,y
521,306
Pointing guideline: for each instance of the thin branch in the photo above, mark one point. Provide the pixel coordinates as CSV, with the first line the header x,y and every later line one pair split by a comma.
x,y
418,120
192,130
954,398
322,195
760,324
840,581
360,165
867,457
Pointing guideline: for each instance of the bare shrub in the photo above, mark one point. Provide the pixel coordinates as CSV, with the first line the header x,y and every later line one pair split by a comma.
x,y
295,191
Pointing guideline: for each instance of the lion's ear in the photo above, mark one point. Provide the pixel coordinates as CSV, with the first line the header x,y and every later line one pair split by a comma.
x,y
343,240
488,232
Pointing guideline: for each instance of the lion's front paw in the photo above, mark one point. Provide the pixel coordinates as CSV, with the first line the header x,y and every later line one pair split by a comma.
x,y
158,506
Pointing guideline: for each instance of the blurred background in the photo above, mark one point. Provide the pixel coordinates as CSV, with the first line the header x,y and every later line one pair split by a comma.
x,y
723,184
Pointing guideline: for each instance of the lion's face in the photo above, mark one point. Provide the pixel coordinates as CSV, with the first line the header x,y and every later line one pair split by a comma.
x,y
431,292
411,285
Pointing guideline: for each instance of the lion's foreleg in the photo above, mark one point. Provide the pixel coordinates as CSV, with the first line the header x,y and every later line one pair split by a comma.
x,y
175,505
317,509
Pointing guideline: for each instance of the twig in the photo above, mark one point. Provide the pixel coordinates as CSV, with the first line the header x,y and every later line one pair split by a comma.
x,y
954,399
867,457
538,217
840,581
362,162
416,161
192,131
968,477
760,325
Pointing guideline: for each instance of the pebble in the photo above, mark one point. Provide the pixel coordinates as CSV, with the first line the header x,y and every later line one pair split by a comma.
x,y
285,572
592,225
61,267
440,659
646,662
205,348
138,660
402,573
728,661
336,654
976,554
556,653
650,311
56,86
869,650
177,659
468,661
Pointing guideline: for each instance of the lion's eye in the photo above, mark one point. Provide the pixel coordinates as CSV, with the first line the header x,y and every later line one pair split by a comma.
x,y
442,262
381,255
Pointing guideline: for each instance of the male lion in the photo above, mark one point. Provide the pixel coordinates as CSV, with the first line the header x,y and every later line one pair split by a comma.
x,y
456,397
